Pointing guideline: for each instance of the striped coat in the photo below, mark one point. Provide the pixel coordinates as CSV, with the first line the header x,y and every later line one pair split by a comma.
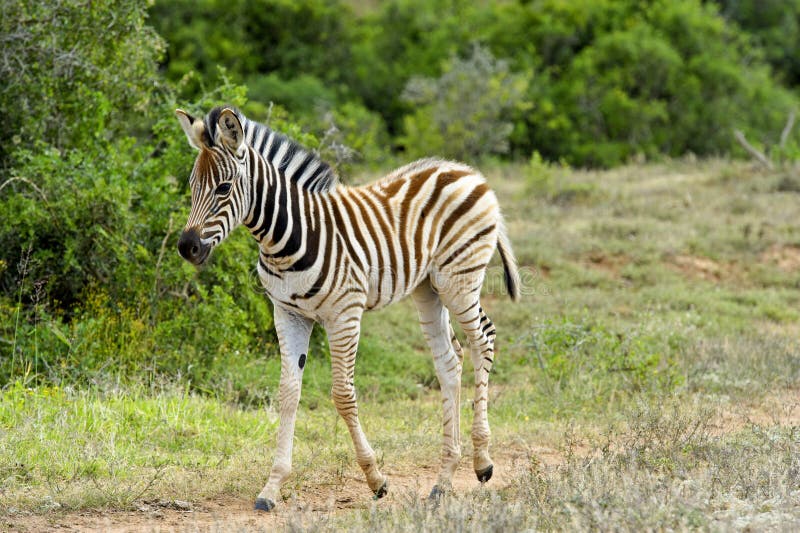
x,y
328,252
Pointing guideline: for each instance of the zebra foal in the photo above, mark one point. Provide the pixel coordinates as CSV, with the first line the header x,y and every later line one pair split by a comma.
x,y
328,252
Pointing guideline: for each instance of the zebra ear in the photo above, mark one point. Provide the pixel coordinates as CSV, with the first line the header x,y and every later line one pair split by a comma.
x,y
230,129
193,128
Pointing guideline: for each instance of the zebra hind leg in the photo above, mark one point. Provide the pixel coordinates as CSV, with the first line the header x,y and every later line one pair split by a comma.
x,y
480,332
447,358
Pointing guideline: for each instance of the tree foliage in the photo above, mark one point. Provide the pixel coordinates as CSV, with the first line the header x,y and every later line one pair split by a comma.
x,y
92,190
616,79
609,79
774,26
74,70
465,113
93,165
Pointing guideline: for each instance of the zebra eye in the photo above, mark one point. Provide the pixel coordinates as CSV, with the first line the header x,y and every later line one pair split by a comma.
x,y
223,189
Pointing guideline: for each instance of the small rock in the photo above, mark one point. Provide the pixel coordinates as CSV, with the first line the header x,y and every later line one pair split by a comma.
x,y
182,505
49,504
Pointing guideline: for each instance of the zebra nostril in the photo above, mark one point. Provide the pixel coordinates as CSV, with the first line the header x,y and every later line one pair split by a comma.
x,y
189,245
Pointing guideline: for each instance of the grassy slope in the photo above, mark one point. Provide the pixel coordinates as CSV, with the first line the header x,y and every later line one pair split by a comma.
x,y
657,298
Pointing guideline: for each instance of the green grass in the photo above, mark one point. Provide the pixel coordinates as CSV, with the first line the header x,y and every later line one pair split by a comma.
x,y
658,299
90,448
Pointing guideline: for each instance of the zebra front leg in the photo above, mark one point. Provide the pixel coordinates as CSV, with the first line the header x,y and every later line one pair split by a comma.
x,y
343,337
447,359
293,332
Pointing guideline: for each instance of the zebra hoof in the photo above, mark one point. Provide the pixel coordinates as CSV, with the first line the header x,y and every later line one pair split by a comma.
x,y
381,492
485,474
263,504
437,493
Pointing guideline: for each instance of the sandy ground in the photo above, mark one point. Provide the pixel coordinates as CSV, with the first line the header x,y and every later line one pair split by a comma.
x,y
234,514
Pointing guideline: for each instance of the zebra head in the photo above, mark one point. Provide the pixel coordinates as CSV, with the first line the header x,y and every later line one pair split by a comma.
x,y
220,197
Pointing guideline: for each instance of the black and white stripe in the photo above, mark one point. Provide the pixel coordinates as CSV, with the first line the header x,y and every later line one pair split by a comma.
x,y
328,252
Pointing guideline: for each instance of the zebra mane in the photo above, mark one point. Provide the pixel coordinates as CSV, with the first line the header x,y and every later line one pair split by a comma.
x,y
297,164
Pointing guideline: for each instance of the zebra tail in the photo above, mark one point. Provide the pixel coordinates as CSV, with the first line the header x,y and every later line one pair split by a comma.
x,y
509,263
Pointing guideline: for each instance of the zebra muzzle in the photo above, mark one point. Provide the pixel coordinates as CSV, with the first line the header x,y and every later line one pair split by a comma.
x,y
192,248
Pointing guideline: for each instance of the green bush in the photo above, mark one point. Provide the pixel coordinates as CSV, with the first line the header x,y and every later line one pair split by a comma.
x,y
362,131
465,113
253,38
91,287
630,361
301,95
607,80
405,38
55,65
775,27
617,79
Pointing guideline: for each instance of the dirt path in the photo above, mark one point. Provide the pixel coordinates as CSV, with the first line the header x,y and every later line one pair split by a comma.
x,y
229,513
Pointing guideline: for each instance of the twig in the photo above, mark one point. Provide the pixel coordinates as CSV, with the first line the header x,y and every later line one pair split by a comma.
x,y
752,150
269,114
156,476
25,180
787,129
161,253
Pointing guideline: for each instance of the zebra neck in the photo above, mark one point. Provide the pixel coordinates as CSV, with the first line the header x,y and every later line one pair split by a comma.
x,y
279,216
289,158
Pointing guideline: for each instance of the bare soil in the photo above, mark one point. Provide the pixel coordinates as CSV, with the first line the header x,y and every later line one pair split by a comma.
x,y
778,409
609,264
786,258
226,513
700,267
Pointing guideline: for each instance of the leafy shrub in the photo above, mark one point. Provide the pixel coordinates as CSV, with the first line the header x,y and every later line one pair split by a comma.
x,y
606,81
406,38
362,131
630,360
775,26
92,288
301,95
55,65
618,79
252,38
465,112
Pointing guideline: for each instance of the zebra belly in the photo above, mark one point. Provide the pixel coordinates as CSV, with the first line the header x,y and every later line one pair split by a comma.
x,y
392,285
320,299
